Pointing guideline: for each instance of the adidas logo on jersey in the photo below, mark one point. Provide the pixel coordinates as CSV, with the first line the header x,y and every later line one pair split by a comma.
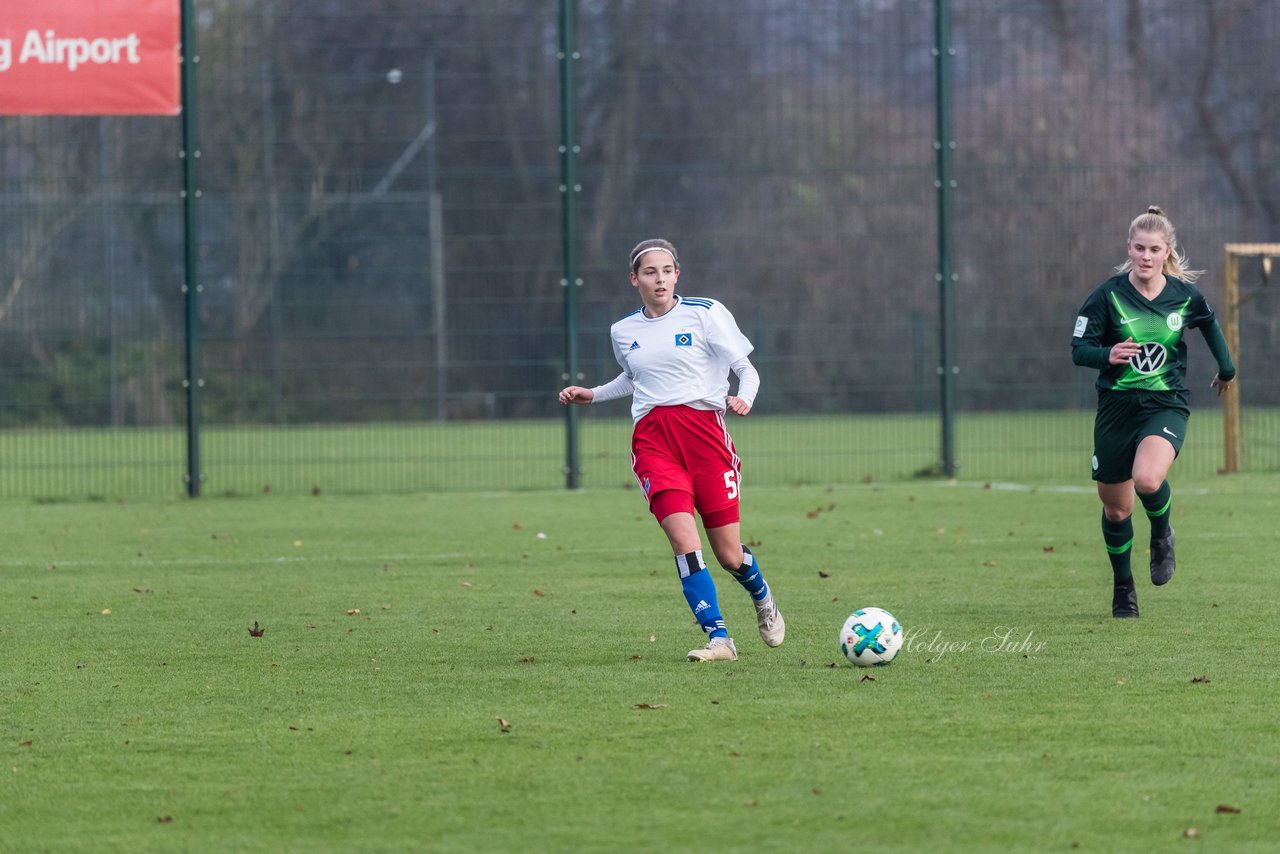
x,y
635,345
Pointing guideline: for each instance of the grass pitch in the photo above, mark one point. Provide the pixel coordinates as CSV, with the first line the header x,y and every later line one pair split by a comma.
x,y
435,674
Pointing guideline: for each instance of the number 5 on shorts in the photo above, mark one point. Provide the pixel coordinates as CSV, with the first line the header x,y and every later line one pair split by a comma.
x,y
731,484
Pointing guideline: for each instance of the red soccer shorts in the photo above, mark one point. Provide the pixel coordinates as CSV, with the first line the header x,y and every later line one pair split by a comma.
x,y
689,453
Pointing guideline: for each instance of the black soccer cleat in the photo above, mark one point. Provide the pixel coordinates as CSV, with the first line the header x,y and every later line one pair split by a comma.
x,y
1162,559
1124,600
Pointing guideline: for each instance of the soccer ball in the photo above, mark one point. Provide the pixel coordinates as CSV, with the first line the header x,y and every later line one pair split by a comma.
x,y
870,637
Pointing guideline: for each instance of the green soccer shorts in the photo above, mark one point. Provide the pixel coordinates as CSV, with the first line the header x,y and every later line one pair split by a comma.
x,y
1124,419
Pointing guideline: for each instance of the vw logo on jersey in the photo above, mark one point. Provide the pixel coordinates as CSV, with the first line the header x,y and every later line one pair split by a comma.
x,y
1174,320
684,339
1150,359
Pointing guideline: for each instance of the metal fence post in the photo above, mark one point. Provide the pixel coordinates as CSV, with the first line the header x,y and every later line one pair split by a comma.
x,y
944,146
569,189
191,288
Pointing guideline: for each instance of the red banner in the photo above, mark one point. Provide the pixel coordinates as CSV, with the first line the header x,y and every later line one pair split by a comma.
x,y
89,57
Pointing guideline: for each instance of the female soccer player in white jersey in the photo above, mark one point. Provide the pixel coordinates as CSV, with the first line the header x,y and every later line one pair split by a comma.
x,y
676,353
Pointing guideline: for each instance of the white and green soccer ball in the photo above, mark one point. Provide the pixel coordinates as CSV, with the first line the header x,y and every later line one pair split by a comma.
x,y
871,637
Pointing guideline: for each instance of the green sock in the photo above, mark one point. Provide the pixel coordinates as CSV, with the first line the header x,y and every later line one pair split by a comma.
x,y
1157,505
1118,537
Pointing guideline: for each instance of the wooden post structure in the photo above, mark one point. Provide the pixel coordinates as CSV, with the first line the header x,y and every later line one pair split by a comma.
x,y
1232,301
1231,330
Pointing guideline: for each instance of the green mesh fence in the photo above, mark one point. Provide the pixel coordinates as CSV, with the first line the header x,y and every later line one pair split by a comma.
x,y
380,243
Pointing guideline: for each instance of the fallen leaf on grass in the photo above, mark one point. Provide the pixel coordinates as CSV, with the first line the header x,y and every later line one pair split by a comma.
x,y
164,819
106,610
351,612
1048,549
867,678
650,706
538,593
142,590
1190,833
504,726
24,744
255,630
1228,810
822,574
1200,680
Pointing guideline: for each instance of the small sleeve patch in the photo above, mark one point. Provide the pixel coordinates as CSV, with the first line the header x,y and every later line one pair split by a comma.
x,y
1081,323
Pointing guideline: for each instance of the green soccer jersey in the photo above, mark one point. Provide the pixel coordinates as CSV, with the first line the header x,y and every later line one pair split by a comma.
x,y
1116,311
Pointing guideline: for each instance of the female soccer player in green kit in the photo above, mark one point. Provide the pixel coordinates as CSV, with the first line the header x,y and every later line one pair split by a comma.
x,y
1131,329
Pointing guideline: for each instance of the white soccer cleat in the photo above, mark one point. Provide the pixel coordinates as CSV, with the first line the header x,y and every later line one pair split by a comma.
x,y
772,627
717,649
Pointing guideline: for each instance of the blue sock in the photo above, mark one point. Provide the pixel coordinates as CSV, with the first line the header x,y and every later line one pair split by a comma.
x,y
750,576
700,593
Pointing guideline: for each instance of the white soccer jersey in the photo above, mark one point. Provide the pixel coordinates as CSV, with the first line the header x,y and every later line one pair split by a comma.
x,y
682,357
